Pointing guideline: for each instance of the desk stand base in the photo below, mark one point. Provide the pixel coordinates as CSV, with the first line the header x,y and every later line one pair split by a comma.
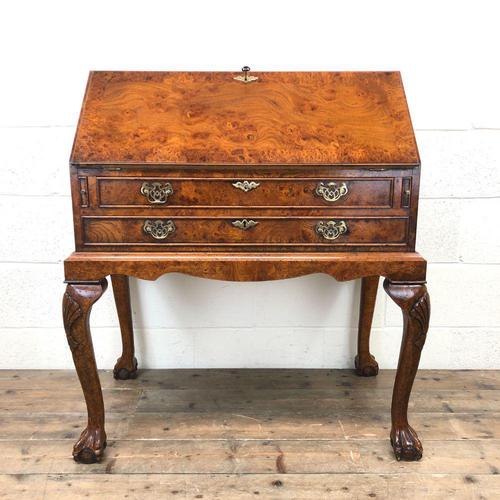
x,y
404,283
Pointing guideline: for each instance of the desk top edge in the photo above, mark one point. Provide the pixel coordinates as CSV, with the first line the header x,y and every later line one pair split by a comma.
x,y
246,256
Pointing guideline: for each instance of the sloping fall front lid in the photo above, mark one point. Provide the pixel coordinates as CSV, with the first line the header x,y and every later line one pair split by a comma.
x,y
212,118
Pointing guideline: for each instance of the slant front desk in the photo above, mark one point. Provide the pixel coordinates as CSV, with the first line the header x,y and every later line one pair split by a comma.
x,y
245,177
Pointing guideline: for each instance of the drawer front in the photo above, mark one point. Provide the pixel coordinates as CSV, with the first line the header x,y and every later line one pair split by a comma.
x,y
254,192
262,231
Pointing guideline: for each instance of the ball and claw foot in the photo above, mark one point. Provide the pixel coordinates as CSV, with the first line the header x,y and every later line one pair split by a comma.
x,y
366,367
90,447
406,444
124,370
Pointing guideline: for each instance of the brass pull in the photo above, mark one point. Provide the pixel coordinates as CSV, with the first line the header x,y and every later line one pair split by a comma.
x,y
246,185
244,224
159,229
330,191
157,192
332,229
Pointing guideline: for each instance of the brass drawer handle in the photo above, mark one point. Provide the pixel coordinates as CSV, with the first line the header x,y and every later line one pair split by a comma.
x,y
157,192
332,229
331,191
246,185
159,229
244,224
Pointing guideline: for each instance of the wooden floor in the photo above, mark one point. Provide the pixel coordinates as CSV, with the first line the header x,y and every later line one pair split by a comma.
x,y
250,434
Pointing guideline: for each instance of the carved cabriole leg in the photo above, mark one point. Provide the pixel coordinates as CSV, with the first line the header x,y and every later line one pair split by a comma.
x,y
365,363
126,364
414,302
77,304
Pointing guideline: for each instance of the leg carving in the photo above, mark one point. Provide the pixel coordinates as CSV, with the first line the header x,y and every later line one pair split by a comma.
x,y
126,364
414,302
365,363
77,304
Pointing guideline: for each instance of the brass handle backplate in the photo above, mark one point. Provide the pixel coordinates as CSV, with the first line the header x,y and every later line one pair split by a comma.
x,y
246,185
332,229
159,229
157,192
244,224
331,191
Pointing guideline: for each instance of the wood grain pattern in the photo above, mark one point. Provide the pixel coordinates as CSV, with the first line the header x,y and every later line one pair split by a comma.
x,y
260,266
372,193
364,362
427,381
286,231
312,403
323,452
126,364
209,118
77,305
274,192
228,456
414,301
198,133
249,486
280,422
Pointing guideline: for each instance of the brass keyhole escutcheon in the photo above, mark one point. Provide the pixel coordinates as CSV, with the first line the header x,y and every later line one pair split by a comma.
x,y
246,78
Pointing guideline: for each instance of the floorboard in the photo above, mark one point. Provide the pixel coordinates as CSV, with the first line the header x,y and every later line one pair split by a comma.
x,y
239,434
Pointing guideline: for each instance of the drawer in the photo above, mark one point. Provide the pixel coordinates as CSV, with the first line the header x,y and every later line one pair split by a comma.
x,y
226,231
376,192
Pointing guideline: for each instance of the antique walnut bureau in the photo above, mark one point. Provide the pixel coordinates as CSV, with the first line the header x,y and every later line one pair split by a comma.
x,y
245,177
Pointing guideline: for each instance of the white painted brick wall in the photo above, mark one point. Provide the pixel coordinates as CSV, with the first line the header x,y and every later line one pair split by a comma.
x,y
446,52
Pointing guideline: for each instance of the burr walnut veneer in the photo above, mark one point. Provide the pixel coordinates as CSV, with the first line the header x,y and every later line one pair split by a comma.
x,y
245,178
